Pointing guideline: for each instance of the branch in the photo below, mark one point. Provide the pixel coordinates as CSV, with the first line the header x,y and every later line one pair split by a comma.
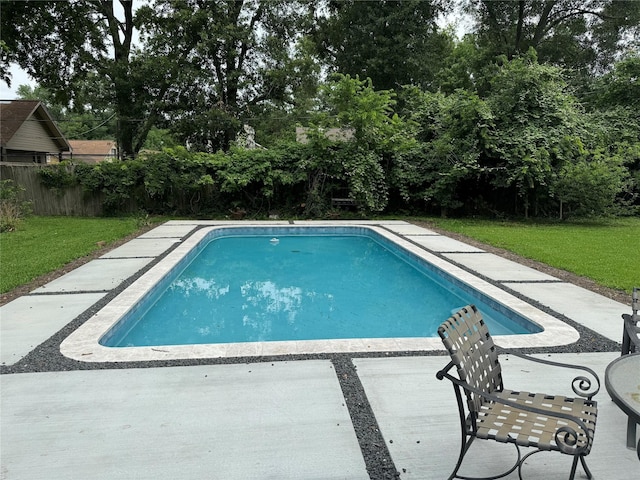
x,y
127,29
541,28
245,46
106,7
575,13
494,20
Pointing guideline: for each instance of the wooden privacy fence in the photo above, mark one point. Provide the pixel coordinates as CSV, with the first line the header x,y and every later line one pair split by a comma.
x,y
72,201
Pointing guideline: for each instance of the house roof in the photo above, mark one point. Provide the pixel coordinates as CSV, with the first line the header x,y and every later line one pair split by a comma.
x,y
15,112
92,151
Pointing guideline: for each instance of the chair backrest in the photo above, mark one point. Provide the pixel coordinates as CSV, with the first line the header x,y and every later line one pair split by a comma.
x,y
467,339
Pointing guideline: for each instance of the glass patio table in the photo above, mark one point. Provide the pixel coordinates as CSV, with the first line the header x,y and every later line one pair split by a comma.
x,y
622,381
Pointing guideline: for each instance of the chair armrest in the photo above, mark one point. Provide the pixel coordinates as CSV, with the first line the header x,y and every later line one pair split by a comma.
x,y
632,327
443,373
565,437
582,386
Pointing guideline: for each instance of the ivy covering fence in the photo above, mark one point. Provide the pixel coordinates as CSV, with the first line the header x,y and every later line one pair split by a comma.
x,y
523,147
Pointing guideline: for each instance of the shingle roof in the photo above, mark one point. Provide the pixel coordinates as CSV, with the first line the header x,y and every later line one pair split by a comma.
x,y
15,112
12,115
92,151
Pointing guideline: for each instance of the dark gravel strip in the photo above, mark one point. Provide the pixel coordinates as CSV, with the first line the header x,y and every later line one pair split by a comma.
x,y
47,357
376,455
589,341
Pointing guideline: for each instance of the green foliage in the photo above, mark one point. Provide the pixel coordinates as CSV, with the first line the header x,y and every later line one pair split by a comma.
x,y
393,43
58,176
589,188
619,87
579,35
118,182
536,126
501,137
354,103
12,208
526,142
228,60
82,122
157,139
72,48
454,129
359,164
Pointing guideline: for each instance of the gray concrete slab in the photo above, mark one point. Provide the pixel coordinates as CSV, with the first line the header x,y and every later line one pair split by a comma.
x,y
169,231
594,311
283,420
410,229
440,243
96,276
225,223
142,247
498,268
339,223
418,418
28,321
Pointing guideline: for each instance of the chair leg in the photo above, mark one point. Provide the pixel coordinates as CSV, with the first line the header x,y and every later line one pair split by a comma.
x,y
464,447
585,468
573,467
583,462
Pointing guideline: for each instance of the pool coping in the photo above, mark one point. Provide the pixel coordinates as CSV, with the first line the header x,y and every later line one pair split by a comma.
x,y
83,344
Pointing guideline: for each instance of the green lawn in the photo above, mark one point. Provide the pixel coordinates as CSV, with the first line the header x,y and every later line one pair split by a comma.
x,y
43,244
606,251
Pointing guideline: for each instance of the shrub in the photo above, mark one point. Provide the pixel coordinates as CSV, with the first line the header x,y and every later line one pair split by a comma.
x,y
12,208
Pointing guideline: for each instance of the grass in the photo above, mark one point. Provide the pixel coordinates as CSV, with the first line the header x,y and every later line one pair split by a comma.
x,y
603,250
43,244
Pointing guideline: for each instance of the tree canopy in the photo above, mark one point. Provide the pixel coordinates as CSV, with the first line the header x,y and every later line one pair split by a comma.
x,y
65,44
534,111
572,33
394,43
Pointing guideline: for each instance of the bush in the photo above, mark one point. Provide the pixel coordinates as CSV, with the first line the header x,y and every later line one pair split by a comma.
x,y
12,208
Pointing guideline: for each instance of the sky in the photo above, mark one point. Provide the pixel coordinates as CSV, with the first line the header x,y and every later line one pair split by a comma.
x,y
19,77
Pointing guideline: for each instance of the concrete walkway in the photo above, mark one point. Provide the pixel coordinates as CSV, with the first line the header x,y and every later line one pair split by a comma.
x,y
270,420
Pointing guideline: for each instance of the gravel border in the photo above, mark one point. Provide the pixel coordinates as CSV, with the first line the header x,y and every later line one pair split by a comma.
x,y
47,357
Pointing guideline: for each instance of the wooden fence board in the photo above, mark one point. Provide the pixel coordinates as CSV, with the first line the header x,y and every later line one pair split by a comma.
x,y
71,201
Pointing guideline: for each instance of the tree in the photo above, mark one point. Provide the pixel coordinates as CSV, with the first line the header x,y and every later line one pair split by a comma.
x,y
444,169
64,44
619,87
589,187
536,124
576,33
81,123
372,133
234,56
392,42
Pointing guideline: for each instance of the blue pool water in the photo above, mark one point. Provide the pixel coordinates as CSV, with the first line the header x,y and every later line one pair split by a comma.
x,y
283,286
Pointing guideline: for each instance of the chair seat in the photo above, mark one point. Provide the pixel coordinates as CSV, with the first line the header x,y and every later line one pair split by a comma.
x,y
506,424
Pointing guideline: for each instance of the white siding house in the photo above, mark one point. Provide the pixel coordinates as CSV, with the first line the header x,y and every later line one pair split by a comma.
x,y
28,134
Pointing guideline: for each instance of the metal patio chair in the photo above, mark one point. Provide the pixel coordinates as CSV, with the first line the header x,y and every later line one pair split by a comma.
x,y
491,412
631,326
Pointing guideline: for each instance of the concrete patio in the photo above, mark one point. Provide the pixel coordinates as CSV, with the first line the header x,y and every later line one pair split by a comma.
x,y
275,419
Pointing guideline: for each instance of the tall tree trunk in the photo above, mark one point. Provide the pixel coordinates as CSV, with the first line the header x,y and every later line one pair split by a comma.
x,y
127,126
518,41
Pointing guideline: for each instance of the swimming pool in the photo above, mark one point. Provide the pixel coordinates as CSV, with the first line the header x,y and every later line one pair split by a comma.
x,y
297,283
85,343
